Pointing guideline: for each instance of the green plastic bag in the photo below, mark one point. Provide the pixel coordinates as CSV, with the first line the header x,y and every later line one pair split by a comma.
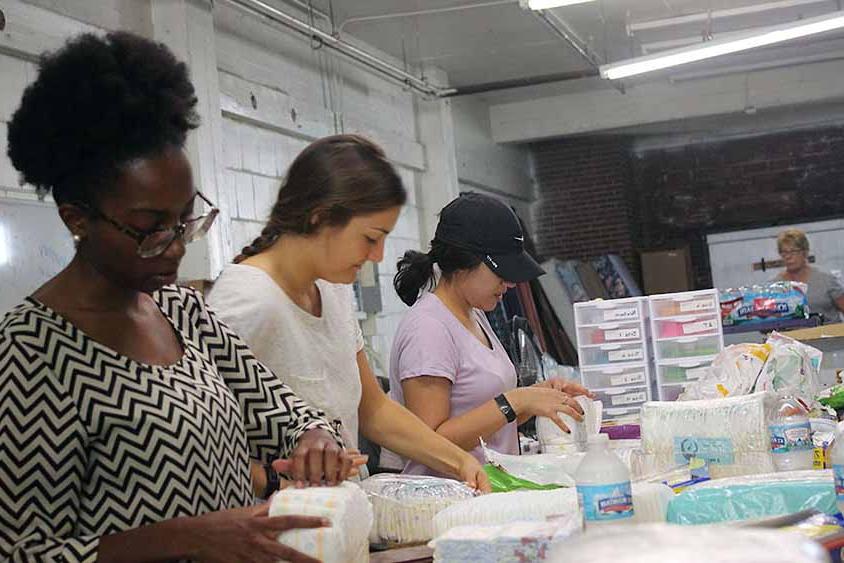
x,y
503,482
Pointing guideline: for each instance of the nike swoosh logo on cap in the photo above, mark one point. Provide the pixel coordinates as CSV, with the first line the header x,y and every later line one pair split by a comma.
x,y
520,239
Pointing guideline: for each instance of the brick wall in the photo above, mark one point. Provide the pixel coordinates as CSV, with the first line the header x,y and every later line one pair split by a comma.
x,y
782,178
596,195
584,191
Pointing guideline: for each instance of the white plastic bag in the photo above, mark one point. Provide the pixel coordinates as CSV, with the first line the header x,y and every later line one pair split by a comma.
x,y
733,372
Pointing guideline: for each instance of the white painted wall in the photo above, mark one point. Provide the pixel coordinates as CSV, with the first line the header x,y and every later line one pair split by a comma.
x,y
483,165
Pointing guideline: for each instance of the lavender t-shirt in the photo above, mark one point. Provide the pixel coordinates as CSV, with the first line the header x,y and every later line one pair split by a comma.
x,y
431,341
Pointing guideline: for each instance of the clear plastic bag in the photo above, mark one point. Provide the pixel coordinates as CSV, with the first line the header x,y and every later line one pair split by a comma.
x,y
733,372
404,506
792,368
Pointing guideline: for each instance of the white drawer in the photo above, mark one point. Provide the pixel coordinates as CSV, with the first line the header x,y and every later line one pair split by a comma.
x,y
619,376
684,305
623,397
688,347
612,354
692,325
683,372
612,311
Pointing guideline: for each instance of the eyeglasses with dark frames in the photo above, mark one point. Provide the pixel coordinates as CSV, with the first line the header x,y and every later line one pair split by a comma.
x,y
156,242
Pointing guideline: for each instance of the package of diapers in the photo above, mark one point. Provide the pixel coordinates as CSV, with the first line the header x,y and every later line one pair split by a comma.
x,y
348,509
404,506
506,543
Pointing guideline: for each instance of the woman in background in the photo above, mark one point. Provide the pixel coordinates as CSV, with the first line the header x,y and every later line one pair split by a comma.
x,y
289,296
447,366
826,294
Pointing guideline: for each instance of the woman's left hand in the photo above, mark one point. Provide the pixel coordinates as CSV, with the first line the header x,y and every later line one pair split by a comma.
x,y
473,474
318,459
566,386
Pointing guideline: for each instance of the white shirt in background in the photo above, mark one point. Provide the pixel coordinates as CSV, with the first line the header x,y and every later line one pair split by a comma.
x,y
314,356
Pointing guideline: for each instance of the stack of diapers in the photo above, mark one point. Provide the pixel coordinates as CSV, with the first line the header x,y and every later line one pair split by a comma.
x,y
730,435
346,506
650,502
405,505
506,543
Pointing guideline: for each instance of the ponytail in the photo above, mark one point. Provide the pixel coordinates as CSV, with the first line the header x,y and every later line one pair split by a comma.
x,y
416,270
415,273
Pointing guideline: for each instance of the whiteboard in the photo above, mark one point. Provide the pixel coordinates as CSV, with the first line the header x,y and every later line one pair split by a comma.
x,y
34,246
731,255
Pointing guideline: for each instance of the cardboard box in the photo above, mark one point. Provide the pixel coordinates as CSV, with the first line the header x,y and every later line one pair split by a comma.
x,y
667,271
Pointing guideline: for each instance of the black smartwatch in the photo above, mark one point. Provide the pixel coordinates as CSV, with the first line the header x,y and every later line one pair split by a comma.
x,y
506,408
273,480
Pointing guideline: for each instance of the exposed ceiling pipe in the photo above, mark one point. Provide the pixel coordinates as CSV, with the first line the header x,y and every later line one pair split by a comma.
x,y
385,68
560,27
522,82
428,12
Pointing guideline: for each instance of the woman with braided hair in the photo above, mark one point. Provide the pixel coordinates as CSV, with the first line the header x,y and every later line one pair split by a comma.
x,y
289,296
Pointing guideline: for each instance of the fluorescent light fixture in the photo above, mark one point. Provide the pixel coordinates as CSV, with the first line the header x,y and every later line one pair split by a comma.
x,y
726,46
548,4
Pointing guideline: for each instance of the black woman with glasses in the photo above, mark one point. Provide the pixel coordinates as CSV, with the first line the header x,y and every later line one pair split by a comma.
x,y
128,413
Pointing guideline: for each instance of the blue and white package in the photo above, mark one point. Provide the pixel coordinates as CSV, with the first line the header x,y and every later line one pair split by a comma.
x,y
759,303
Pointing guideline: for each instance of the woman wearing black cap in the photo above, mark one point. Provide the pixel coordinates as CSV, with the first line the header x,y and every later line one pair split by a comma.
x,y
446,365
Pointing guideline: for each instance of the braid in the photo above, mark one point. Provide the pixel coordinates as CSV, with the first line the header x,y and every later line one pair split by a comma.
x,y
266,239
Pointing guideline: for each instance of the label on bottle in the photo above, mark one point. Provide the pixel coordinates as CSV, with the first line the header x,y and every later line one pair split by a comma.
x,y
715,451
626,355
604,503
838,473
701,326
627,378
791,437
694,306
622,334
819,458
622,315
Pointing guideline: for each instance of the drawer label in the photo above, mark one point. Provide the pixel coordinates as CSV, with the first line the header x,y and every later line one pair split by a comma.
x,y
702,326
627,378
630,314
696,373
622,334
626,355
629,398
696,305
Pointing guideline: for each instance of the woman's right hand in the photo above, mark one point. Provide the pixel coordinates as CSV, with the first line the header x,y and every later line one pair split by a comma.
x,y
544,401
245,535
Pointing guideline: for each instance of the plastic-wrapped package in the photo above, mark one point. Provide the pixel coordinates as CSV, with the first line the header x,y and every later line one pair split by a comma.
x,y
733,372
405,505
775,300
700,544
753,497
507,543
346,506
792,367
650,501
552,438
730,434
542,469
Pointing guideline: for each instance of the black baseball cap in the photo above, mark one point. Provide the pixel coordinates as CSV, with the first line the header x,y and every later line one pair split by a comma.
x,y
491,229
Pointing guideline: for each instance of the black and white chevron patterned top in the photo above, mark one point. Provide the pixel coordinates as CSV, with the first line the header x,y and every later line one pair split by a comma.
x,y
93,442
